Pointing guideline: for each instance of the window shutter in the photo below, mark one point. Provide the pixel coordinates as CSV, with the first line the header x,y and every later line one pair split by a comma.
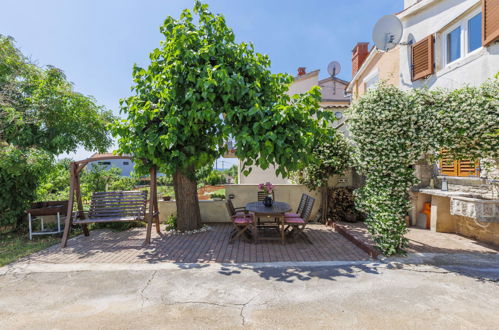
x,y
448,166
451,167
422,58
467,167
490,21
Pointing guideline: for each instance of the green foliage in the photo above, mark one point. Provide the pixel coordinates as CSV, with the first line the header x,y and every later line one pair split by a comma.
x,y
164,180
19,173
54,183
331,157
203,87
233,173
14,246
171,222
206,175
39,108
40,116
393,129
215,195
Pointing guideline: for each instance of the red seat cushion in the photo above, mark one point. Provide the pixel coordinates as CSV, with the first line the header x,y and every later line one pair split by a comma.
x,y
294,220
291,215
243,220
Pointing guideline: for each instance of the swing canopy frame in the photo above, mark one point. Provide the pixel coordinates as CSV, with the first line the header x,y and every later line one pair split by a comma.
x,y
111,206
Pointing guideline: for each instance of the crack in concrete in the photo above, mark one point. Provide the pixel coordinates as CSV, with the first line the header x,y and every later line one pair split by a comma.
x,y
241,313
241,306
148,283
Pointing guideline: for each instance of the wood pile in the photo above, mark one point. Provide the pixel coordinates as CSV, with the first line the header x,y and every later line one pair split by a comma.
x,y
341,202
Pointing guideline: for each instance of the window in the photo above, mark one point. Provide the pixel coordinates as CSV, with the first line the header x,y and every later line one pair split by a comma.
x,y
462,38
475,33
104,163
454,45
126,163
371,80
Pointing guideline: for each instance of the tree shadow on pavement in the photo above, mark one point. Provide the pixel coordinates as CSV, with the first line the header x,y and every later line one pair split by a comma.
x,y
291,274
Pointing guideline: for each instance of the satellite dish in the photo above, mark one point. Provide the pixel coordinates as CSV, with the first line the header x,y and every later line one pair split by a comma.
x,y
333,68
387,32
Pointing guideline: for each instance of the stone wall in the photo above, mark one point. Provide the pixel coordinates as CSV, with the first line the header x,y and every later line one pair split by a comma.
x,y
485,232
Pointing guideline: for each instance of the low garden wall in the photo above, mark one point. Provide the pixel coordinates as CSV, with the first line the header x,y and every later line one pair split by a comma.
x,y
215,211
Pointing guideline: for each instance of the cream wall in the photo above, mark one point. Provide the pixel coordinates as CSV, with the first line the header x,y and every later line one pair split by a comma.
x,y
385,65
304,83
443,221
433,18
211,211
216,211
289,193
333,90
259,175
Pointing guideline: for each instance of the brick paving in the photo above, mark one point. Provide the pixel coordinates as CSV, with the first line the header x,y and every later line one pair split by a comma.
x,y
105,246
423,240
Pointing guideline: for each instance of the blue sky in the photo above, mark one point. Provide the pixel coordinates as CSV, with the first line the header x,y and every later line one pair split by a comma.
x,y
96,42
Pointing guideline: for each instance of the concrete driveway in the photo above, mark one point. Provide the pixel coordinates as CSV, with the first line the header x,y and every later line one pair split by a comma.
x,y
430,291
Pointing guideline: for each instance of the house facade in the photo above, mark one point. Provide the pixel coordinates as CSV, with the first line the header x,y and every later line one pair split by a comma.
x,y
451,44
370,67
125,165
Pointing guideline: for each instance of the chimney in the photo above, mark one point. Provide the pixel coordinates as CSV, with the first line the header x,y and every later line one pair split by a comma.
x,y
301,71
359,55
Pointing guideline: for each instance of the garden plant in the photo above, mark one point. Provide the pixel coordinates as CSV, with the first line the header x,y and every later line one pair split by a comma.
x,y
41,116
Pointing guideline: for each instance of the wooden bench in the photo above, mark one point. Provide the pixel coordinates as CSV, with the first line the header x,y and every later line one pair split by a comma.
x,y
116,206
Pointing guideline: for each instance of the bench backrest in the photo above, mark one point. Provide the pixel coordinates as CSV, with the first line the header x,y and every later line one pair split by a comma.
x,y
116,204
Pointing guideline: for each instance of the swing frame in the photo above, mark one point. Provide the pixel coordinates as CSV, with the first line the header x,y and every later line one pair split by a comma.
x,y
75,169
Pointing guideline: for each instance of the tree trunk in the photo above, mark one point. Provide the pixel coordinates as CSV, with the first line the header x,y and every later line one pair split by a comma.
x,y
188,214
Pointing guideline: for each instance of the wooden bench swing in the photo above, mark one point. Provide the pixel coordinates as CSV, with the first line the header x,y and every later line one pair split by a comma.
x,y
110,206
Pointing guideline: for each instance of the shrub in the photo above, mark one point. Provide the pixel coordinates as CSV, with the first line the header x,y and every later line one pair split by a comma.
x,y
213,196
20,173
171,222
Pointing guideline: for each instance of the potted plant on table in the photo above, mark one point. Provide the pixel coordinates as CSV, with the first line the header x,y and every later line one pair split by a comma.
x,y
268,188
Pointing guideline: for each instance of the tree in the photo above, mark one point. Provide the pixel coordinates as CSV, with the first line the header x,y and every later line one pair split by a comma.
x,y
40,116
40,109
202,88
331,157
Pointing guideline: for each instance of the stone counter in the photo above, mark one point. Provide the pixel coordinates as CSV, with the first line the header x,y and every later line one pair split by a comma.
x,y
441,219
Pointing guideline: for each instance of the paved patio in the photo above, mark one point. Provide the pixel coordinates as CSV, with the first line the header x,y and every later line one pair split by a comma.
x,y
105,246
420,240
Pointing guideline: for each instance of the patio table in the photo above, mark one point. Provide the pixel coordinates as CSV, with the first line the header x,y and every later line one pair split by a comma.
x,y
277,210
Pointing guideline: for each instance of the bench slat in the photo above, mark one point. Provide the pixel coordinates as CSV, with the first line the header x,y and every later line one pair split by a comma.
x,y
116,206
101,220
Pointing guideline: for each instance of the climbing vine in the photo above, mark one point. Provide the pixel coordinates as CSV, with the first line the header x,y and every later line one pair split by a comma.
x,y
393,129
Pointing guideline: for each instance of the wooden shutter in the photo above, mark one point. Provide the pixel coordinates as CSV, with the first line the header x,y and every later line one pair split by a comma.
x,y
422,58
451,167
448,166
490,21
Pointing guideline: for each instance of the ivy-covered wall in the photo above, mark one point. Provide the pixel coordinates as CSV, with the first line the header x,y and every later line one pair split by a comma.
x,y
392,129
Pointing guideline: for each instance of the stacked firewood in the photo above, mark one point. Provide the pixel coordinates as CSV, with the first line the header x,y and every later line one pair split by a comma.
x,y
341,205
